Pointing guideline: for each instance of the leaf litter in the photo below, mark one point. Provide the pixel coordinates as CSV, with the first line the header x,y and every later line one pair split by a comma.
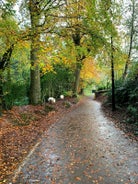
x,y
20,129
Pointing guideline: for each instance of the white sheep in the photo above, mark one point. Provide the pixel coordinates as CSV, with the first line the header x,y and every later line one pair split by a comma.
x,y
51,100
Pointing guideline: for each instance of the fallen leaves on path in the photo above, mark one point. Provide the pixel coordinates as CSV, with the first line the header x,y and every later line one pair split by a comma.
x,y
21,127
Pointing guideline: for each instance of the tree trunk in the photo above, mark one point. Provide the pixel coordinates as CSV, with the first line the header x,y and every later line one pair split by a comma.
x,y
35,87
77,80
1,93
112,75
35,90
131,41
76,39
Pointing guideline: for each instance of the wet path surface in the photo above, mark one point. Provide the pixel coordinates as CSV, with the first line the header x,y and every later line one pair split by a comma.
x,y
82,148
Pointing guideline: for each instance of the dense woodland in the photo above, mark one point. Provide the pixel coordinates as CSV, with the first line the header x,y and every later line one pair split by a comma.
x,y
49,48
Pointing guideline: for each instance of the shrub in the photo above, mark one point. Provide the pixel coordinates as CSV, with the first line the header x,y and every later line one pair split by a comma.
x,y
133,112
57,82
125,92
126,95
67,104
16,95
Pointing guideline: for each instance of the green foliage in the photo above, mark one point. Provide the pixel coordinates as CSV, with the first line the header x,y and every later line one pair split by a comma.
x,y
101,87
68,93
133,112
7,8
88,91
126,94
16,94
56,83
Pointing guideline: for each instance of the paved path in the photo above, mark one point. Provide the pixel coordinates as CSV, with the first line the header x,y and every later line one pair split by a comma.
x,y
82,148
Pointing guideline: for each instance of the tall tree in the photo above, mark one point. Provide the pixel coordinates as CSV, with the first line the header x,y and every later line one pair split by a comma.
x,y
42,20
111,19
112,74
74,13
35,88
82,26
132,27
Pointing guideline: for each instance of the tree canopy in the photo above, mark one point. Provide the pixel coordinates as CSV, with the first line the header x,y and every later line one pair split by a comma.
x,y
39,36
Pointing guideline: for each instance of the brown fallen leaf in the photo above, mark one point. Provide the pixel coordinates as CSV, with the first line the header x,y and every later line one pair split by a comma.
x,y
78,178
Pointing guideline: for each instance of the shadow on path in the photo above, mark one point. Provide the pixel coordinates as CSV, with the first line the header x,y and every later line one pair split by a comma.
x,y
82,148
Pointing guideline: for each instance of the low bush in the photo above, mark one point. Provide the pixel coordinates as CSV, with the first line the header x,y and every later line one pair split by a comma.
x,y
17,95
126,95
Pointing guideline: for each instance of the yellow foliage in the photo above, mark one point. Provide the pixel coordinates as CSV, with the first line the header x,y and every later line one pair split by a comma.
x,y
23,44
60,59
89,70
47,68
